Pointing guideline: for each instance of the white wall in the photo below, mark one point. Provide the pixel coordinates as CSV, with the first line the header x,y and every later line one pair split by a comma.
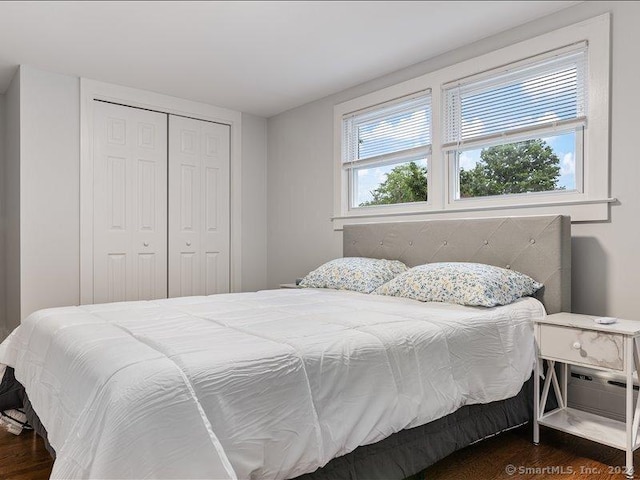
x,y
49,196
254,203
11,195
41,193
300,234
606,259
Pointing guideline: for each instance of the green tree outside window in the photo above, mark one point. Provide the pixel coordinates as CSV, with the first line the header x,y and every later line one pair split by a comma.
x,y
523,167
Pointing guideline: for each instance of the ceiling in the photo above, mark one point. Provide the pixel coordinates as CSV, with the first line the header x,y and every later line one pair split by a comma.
x,y
260,57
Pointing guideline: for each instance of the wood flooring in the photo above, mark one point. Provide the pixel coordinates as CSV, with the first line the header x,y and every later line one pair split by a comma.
x,y
23,457
558,457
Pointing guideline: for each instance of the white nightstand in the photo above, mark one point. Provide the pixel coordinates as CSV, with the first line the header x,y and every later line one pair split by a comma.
x,y
571,339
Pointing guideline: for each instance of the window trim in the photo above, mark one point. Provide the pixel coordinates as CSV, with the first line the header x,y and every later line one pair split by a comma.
x,y
591,204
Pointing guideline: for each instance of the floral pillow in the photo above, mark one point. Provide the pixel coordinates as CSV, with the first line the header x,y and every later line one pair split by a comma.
x,y
359,274
472,284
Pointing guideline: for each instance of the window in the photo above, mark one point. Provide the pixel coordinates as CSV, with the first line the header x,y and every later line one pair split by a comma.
x,y
518,130
386,152
523,130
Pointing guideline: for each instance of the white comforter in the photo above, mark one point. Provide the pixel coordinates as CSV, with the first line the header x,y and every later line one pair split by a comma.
x,y
264,385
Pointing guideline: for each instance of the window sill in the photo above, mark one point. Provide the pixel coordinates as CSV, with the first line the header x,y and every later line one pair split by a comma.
x,y
579,210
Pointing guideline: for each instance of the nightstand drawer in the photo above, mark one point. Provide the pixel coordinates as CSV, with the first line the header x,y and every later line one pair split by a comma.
x,y
588,347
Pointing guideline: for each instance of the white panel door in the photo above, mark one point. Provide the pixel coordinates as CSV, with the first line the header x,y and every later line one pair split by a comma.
x,y
199,207
130,204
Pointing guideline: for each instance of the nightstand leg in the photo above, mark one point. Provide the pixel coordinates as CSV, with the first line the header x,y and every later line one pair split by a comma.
x,y
536,401
629,346
565,383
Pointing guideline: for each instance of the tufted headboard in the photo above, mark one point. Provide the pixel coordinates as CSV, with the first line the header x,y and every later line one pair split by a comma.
x,y
539,246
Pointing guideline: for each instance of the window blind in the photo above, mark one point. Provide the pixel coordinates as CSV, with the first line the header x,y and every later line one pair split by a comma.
x,y
531,95
388,131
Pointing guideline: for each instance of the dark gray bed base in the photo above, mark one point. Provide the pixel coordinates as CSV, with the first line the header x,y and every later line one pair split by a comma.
x,y
410,451
35,422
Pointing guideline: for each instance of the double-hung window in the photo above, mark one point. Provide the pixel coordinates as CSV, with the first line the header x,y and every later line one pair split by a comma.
x,y
523,130
519,129
386,151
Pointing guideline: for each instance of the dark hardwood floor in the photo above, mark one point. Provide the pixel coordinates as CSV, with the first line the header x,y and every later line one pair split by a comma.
x,y
512,455
558,457
23,457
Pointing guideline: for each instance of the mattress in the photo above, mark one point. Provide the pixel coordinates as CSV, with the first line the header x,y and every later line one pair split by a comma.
x,y
272,384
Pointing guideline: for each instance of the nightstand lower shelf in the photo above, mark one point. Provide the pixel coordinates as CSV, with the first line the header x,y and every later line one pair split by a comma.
x,y
588,425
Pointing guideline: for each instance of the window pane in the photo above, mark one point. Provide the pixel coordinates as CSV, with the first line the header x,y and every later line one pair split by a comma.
x,y
549,97
537,165
395,132
385,185
540,93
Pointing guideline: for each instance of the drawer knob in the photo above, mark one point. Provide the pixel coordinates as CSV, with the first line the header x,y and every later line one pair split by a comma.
x,y
577,345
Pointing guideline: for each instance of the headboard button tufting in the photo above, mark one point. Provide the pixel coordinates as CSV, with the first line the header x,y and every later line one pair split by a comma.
x,y
540,246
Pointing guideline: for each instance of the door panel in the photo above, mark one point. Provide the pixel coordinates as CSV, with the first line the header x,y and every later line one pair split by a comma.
x,y
130,204
211,273
199,207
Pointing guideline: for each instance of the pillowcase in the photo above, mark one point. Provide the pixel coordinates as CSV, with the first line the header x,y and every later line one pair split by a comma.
x,y
472,284
359,274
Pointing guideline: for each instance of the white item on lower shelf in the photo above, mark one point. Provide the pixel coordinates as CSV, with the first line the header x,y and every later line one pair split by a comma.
x,y
598,392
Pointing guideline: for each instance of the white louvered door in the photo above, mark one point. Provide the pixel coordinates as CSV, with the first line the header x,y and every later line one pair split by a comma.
x,y
130,204
199,207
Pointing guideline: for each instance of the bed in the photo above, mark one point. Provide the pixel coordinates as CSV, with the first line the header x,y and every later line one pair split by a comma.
x,y
278,384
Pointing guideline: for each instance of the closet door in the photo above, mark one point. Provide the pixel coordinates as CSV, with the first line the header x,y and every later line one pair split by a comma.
x,y
130,204
199,214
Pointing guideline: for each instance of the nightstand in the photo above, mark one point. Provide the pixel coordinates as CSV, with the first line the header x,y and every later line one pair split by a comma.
x,y
571,339
289,285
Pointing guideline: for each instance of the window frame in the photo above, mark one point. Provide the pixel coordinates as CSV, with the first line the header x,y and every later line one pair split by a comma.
x,y
588,203
400,156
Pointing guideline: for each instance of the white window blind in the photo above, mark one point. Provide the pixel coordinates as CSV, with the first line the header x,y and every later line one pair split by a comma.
x,y
388,133
536,94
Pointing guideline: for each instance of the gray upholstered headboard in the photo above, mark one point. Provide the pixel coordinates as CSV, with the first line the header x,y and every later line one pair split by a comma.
x,y
539,246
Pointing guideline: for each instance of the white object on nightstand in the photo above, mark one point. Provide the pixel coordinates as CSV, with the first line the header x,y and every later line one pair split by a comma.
x,y
605,320
572,339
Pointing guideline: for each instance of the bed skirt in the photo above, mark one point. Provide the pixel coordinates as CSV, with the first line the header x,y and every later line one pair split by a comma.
x,y
408,452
